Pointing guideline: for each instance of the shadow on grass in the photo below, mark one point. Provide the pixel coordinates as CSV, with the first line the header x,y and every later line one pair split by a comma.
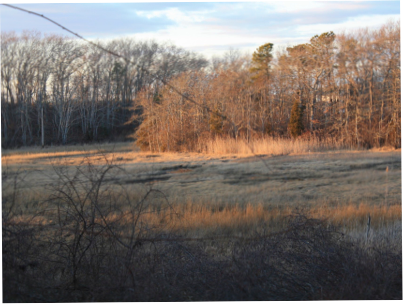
x,y
89,249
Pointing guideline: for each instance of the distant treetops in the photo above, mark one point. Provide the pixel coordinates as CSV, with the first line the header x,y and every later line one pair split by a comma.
x,y
308,54
261,59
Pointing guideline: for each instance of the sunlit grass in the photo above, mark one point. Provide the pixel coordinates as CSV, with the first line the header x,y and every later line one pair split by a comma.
x,y
202,219
270,146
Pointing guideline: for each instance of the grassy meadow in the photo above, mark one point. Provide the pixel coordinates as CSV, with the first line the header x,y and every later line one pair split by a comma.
x,y
283,220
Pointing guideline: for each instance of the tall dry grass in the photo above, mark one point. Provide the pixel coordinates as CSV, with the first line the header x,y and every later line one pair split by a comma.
x,y
268,145
85,246
201,220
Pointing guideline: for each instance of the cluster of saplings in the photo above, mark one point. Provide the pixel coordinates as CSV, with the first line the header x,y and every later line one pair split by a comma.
x,y
345,87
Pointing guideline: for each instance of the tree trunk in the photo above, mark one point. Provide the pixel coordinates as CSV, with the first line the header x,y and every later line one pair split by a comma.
x,y
42,129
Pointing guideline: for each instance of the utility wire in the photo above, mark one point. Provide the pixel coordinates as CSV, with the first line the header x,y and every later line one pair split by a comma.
x,y
66,29
186,98
191,100
120,56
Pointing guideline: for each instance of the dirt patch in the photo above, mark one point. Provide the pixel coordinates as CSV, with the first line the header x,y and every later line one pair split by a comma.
x,y
147,180
152,156
184,168
181,171
62,156
122,159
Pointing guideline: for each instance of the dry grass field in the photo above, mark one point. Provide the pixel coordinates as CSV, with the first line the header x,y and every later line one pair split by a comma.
x,y
72,205
341,185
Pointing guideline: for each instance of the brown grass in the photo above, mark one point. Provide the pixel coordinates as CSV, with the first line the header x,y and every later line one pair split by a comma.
x,y
205,220
270,146
241,186
202,220
92,237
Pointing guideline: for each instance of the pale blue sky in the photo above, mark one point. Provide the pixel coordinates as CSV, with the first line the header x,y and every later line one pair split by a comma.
x,y
206,27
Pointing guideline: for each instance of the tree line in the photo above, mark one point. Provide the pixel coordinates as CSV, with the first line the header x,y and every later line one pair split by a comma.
x,y
78,92
345,87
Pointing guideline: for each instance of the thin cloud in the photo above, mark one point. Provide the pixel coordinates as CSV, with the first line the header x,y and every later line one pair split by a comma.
x,y
206,27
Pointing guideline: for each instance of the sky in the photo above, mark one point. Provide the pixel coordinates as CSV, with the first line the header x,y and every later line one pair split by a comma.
x,y
209,28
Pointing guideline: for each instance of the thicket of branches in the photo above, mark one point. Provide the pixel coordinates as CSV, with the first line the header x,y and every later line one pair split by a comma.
x,y
348,87
84,92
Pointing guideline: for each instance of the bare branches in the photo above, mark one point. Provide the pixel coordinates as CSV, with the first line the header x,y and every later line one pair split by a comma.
x,y
163,80
349,84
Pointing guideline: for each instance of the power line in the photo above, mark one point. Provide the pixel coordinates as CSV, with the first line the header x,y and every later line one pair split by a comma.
x,y
144,69
66,29
120,56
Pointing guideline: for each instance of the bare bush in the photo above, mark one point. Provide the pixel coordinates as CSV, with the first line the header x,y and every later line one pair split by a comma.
x,y
87,241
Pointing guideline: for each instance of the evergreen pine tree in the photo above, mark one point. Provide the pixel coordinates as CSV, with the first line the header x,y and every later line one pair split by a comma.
x,y
261,59
295,125
216,121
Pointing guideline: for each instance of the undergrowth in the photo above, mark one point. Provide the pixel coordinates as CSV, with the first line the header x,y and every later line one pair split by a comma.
x,y
81,245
